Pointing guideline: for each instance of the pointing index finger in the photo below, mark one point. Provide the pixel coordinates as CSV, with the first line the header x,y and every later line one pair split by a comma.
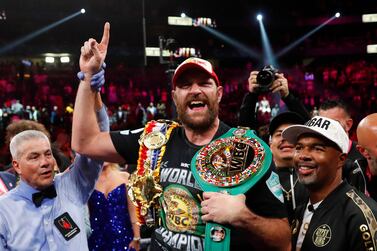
x,y
106,34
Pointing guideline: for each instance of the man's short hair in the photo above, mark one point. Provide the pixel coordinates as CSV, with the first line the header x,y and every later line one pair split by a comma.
x,y
20,138
333,103
23,125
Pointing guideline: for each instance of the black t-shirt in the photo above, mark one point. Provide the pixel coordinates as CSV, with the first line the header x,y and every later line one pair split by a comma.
x,y
182,227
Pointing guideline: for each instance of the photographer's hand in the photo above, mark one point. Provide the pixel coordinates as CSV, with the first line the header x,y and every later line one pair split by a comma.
x,y
253,86
280,85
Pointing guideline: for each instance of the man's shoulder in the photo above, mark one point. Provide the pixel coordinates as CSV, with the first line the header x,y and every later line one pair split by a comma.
x,y
7,198
358,203
223,127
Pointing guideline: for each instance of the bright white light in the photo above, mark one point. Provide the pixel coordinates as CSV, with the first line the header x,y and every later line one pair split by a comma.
x,y
64,59
337,14
259,17
183,14
372,48
82,11
50,60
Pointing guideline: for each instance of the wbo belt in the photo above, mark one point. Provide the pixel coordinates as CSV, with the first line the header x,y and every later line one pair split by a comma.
x,y
232,163
144,188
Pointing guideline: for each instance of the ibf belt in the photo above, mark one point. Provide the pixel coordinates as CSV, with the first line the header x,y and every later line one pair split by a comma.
x,y
144,189
233,163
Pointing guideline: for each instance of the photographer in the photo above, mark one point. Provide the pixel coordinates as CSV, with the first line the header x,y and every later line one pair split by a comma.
x,y
270,81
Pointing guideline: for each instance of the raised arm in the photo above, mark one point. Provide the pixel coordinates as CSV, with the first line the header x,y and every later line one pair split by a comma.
x,y
247,116
86,136
293,103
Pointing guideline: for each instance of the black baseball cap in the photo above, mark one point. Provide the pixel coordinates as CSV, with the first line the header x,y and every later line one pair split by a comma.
x,y
285,118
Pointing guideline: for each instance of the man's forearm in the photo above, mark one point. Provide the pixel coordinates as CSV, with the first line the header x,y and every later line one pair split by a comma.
x,y
295,105
247,111
84,125
265,233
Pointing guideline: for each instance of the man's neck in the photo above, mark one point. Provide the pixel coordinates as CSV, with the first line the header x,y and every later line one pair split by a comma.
x,y
201,138
317,195
283,163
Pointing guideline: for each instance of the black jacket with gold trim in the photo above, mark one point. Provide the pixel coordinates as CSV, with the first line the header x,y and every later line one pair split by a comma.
x,y
344,221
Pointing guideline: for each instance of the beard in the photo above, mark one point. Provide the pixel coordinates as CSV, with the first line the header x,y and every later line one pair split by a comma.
x,y
373,164
308,180
201,122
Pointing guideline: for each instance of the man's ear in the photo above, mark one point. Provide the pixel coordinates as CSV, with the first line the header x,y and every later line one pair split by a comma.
x,y
342,159
363,151
349,123
173,96
16,166
219,93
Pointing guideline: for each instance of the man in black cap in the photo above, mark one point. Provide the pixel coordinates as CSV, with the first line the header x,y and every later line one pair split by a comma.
x,y
295,193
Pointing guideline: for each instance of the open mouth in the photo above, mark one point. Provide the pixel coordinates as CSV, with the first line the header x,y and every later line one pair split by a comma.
x,y
305,169
193,105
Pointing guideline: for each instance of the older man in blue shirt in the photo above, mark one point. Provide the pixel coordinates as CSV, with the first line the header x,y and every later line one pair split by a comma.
x,y
46,212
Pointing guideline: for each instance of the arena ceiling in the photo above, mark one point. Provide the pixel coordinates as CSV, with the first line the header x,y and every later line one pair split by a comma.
x,y
284,21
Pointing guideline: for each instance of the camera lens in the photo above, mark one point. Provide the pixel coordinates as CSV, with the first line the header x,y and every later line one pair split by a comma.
x,y
265,78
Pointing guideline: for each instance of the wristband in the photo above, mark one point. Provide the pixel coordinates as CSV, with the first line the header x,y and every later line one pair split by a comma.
x,y
97,80
136,238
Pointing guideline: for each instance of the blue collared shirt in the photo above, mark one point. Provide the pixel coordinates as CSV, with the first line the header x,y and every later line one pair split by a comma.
x,y
23,226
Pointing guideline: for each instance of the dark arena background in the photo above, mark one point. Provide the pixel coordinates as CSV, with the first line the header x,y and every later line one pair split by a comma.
x,y
323,56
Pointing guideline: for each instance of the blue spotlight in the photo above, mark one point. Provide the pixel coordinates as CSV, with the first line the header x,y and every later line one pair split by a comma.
x,y
244,49
269,58
34,34
301,39
82,11
259,17
337,14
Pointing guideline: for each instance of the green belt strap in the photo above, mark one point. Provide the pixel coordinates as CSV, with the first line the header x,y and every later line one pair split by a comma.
x,y
221,166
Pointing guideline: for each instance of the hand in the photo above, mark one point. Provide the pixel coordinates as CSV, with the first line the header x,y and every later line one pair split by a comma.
x,y
93,54
134,245
280,85
253,86
222,208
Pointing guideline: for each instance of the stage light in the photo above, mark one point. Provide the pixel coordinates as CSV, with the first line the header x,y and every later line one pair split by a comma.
x,y
82,11
183,14
242,48
337,14
204,21
369,18
30,36
3,15
64,59
305,36
371,48
269,58
182,21
259,17
50,60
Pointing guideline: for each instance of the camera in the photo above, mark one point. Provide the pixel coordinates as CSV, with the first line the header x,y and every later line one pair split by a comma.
x,y
266,77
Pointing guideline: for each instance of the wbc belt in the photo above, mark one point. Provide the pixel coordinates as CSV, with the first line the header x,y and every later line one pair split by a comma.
x,y
232,163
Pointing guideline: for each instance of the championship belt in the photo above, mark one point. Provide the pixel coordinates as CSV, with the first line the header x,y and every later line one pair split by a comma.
x,y
231,164
144,189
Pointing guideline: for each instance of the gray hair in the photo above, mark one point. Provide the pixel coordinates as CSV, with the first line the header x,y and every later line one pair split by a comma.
x,y
18,140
